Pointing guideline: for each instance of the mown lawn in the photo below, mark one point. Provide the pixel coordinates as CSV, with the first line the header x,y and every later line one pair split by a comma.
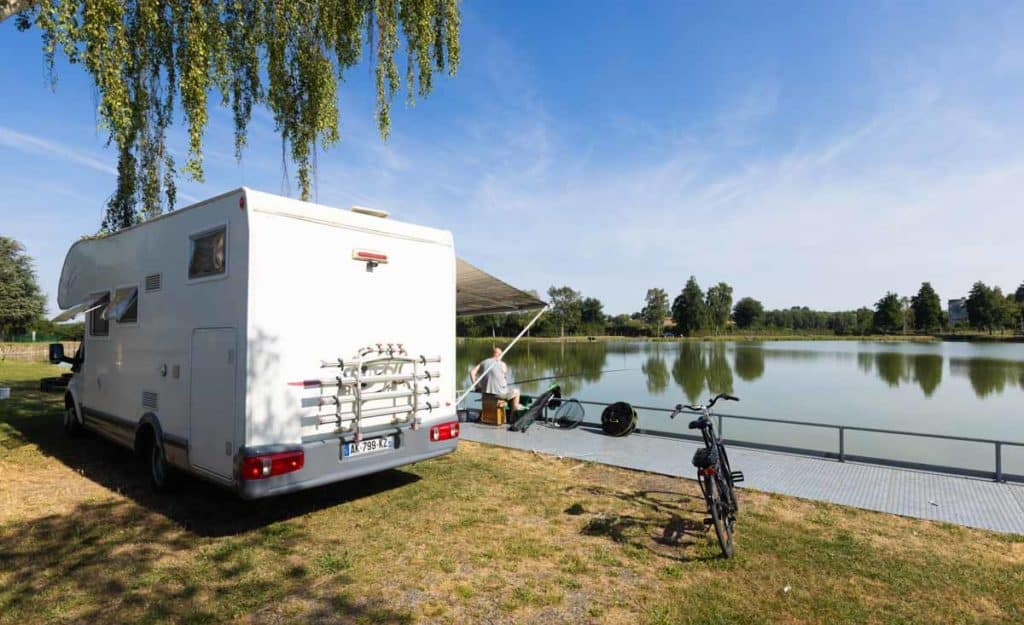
x,y
485,535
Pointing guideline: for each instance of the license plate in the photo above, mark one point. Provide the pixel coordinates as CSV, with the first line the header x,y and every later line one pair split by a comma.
x,y
368,446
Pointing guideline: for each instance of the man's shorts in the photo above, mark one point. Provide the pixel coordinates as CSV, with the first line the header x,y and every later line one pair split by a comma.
x,y
507,395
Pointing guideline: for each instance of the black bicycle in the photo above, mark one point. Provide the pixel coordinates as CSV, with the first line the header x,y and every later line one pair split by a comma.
x,y
717,480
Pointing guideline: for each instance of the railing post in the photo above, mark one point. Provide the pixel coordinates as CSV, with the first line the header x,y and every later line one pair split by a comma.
x,y
999,461
842,444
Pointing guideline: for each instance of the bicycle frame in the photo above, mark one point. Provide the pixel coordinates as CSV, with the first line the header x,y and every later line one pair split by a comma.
x,y
714,475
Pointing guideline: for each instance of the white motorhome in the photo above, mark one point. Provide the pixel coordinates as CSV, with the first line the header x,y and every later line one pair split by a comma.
x,y
270,345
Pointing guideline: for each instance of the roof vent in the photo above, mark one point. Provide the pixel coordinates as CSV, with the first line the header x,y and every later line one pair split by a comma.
x,y
372,212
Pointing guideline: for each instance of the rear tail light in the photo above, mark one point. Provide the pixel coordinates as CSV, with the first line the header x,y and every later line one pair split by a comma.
x,y
444,432
706,471
269,465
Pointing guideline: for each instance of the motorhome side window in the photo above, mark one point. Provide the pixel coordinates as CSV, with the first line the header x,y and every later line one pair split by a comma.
x,y
125,306
99,325
207,257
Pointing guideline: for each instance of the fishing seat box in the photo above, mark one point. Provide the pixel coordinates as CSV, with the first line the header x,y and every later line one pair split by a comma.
x,y
492,412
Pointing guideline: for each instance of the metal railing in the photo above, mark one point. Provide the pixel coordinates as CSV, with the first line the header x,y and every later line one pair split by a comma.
x,y
841,454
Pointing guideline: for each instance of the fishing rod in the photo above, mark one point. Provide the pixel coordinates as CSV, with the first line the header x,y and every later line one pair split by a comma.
x,y
552,377
566,375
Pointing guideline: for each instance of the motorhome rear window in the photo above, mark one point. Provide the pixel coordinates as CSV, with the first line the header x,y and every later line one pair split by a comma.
x,y
98,326
208,254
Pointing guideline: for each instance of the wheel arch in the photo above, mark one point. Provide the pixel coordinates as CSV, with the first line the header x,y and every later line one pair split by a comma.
x,y
71,401
148,431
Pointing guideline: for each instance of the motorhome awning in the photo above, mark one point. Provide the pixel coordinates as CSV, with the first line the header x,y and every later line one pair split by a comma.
x,y
479,293
89,303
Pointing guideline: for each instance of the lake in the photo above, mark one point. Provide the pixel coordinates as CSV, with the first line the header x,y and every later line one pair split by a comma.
x,y
954,388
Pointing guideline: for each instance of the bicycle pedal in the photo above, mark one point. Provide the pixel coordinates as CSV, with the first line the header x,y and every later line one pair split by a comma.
x,y
737,476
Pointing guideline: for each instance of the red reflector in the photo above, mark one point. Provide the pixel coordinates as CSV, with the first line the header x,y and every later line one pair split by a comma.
x,y
377,257
269,465
707,471
445,431
306,383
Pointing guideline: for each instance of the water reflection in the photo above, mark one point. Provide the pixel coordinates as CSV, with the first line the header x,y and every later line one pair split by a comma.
x,y
749,362
892,367
688,370
988,376
927,372
656,373
698,364
572,363
708,368
896,368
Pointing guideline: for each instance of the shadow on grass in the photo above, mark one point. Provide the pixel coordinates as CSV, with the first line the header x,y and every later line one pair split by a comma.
x,y
112,562
670,525
199,555
202,508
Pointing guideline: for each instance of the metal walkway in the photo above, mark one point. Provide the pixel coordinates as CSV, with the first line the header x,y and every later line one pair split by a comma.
x,y
965,501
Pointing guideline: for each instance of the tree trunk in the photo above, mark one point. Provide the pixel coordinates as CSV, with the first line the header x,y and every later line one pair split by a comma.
x,y
13,7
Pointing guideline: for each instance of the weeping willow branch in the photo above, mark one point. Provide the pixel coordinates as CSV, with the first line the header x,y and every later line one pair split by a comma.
x,y
150,57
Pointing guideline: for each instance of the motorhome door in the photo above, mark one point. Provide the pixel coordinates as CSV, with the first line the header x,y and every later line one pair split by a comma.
x,y
212,400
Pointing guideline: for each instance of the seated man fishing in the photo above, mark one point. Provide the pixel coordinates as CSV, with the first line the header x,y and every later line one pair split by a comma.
x,y
496,378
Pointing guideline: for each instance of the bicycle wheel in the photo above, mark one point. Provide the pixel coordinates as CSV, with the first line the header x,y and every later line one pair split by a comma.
x,y
719,510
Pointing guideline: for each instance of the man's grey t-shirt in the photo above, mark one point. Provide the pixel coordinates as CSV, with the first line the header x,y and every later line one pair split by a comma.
x,y
495,382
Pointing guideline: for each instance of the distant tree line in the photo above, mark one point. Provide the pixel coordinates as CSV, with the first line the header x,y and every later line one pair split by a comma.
x,y
695,312
571,314
692,313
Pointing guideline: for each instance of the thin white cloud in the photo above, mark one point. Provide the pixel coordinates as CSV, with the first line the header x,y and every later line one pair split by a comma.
x,y
920,190
30,144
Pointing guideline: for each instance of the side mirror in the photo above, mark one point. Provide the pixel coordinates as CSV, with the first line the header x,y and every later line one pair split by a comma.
x,y
56,353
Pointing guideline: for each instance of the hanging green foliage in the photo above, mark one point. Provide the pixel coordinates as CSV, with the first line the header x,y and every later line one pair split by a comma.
x,y
148,56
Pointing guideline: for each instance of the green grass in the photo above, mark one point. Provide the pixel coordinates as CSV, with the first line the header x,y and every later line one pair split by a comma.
x,y
484,535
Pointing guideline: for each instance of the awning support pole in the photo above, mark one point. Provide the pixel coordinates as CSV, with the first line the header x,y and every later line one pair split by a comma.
x,y
510,345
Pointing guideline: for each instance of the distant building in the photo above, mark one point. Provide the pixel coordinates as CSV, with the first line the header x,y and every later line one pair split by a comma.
x,y
957,311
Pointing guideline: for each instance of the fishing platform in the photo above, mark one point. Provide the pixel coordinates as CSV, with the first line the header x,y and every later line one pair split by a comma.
x,y
971,498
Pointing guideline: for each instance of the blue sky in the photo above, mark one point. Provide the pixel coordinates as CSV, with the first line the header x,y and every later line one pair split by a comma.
x,y
812,153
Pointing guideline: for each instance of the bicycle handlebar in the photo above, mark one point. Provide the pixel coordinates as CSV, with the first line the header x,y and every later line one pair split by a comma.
x,y
724,396
680,407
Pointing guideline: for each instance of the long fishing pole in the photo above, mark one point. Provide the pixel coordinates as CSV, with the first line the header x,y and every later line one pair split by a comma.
x,y
567,375
555,377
